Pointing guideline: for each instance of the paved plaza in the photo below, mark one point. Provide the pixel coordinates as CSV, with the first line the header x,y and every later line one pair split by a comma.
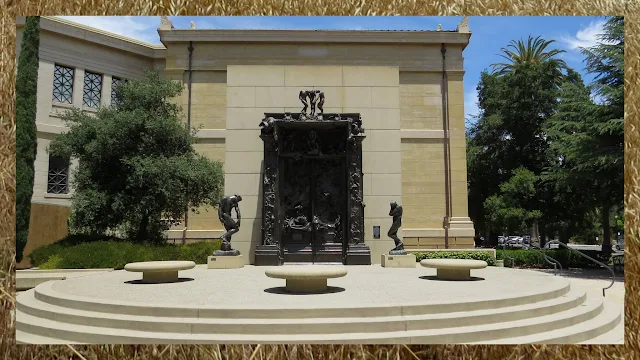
x,y
370,304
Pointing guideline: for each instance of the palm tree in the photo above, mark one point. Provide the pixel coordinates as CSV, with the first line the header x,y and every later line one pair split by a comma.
x,y
533,51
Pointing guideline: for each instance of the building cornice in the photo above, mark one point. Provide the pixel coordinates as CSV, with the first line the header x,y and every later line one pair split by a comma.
x,y
315,36
95,36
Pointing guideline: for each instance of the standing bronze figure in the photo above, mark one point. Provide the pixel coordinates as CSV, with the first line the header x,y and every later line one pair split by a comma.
x,y
303,99
312,101
396,212
228,203
320,102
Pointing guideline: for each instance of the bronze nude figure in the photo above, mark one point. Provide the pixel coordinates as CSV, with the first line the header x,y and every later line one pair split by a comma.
x,y
396,212
303,99
226,204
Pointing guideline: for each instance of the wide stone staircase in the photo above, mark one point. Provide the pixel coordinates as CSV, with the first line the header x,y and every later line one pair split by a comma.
x,y
559,314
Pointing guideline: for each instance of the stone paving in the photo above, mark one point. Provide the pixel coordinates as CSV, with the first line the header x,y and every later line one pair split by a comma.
x,y
372,285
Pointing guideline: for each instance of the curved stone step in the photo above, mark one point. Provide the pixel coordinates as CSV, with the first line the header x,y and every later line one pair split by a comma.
x,y
45,293
606,322
23,338
32,306
465,334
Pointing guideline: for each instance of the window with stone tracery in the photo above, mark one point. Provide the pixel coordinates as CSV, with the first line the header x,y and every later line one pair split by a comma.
x,y
63,84
92,89
58,175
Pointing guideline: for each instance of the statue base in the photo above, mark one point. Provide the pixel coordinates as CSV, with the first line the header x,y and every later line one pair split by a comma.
x,y
225,262
232,252
398,261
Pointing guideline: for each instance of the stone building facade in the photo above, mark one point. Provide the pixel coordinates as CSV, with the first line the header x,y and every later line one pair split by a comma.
x,y
394,79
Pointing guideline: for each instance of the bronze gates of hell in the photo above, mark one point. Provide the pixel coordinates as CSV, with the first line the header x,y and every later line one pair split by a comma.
x,y
312,204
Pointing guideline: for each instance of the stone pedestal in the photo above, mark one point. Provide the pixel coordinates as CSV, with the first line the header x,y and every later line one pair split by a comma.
x,y
398,261
225,262
306,285
158,277
454,274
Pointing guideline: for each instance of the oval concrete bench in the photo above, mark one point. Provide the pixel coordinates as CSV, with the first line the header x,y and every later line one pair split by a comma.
x,y
306,278
454,269
159,271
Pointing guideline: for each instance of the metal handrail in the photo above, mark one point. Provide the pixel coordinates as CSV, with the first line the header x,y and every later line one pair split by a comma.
x,y
504,253
613,275
549,260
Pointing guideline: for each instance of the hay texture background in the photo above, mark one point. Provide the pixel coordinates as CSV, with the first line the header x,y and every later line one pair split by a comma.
x,y
13,8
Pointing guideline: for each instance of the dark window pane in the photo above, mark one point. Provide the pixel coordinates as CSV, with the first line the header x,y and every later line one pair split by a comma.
x,y
92,89
58,179
63,84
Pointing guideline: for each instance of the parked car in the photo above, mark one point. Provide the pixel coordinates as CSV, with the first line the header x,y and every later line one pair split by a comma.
x,y
515,240
619,245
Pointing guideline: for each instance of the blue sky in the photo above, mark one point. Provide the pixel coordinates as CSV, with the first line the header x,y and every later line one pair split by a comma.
x,y
489,34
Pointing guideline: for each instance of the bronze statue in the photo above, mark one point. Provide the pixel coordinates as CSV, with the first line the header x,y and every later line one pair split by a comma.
x,y
320,101
314,148
300,222
226,204
266,125
303,99
396,212
312,101
311,98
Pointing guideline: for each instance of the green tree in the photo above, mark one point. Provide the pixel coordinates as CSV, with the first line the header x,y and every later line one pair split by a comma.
x,y
138,170
572,204
26,131
509,134
533,51
602,147
513,209
589,137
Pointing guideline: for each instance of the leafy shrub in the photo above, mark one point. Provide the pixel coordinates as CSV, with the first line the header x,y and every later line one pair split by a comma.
x,y
472,255
42,254
67,254
567,258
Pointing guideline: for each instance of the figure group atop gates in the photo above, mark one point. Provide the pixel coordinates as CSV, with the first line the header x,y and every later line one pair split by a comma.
x,y
313,98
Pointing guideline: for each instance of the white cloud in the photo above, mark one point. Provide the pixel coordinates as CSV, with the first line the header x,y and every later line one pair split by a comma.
x,y
142,28
585,37
471,108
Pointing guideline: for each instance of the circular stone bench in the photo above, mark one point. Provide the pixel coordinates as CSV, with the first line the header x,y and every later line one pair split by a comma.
x,y
306,278
159,271
453,269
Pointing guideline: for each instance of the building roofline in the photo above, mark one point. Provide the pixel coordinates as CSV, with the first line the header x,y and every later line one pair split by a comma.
x,y
87,33
170,34
315,36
